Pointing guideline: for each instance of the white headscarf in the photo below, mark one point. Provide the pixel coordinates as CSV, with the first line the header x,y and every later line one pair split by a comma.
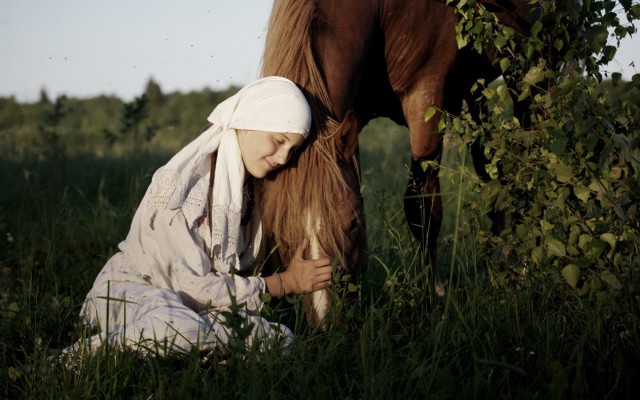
x,y
273,104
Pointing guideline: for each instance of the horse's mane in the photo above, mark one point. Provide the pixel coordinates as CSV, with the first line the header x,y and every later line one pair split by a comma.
x,y
313,181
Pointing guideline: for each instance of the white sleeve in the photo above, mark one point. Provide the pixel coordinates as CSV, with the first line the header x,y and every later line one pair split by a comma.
x,y
173,256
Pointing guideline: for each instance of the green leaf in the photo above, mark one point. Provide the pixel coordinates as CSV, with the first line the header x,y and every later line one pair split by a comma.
x,y
462,40
505,63
556,248
609,52
528,50
582,193
564,172
595,248
537,255
457,125
500,42
610,238
615,173
558,44
546,226
611,280
560,140
490,191
524,93
596,187
535,29
583,241
265,297
428,165
477,28
431,111
533,76
571,274
599,39
503,92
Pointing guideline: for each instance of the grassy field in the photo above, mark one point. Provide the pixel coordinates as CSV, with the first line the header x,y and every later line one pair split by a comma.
x,y
62,214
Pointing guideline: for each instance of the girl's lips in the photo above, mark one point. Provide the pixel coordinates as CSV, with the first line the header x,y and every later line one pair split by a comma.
x,y
272,166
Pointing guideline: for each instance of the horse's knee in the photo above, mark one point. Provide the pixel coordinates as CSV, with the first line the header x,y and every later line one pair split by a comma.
x,y
425,139
426,149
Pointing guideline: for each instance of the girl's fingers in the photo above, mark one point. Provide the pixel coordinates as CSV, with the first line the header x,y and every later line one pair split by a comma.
x,y
323,277
320,263
300,250
320,286
324,271
326,274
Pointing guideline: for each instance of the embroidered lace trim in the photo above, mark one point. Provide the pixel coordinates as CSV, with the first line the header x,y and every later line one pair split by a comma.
x,y
225,221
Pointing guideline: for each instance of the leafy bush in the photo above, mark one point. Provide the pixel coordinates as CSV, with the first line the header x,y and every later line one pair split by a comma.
x,y
568,181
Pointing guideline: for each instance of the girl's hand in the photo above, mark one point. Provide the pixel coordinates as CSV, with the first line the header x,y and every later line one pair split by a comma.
x,y
304,276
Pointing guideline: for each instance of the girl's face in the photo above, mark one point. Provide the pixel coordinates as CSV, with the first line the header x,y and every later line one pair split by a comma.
x,y
263,152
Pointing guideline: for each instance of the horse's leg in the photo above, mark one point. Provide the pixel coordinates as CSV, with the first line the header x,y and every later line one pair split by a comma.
x,y
417,71
422,203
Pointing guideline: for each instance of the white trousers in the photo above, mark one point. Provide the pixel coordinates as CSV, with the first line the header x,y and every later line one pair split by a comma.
x,y
157,321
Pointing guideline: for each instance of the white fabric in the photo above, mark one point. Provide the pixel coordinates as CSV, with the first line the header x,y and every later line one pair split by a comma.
x,y
174,271
157,321
271,104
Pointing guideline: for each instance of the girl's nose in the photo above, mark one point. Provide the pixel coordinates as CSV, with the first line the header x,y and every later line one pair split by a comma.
x,y
282,157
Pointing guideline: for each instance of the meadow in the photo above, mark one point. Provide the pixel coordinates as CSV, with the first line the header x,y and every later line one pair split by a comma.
x,y
72,175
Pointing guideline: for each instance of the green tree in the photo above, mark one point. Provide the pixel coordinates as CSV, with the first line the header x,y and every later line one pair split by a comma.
x,y
50,128
135,124
44,97
11,114
154,93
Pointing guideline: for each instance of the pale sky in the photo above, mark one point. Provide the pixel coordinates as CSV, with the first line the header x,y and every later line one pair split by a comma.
x,y
84,48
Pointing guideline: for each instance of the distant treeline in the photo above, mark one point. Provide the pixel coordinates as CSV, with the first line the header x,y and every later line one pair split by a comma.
x,y
105,124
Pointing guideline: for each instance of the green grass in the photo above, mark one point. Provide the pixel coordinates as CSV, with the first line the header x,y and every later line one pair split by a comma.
x,y
62,217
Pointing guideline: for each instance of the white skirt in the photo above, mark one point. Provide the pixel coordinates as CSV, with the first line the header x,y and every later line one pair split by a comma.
x,y
157,321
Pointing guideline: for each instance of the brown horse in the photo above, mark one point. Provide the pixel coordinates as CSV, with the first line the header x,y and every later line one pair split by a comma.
x,y
358,60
